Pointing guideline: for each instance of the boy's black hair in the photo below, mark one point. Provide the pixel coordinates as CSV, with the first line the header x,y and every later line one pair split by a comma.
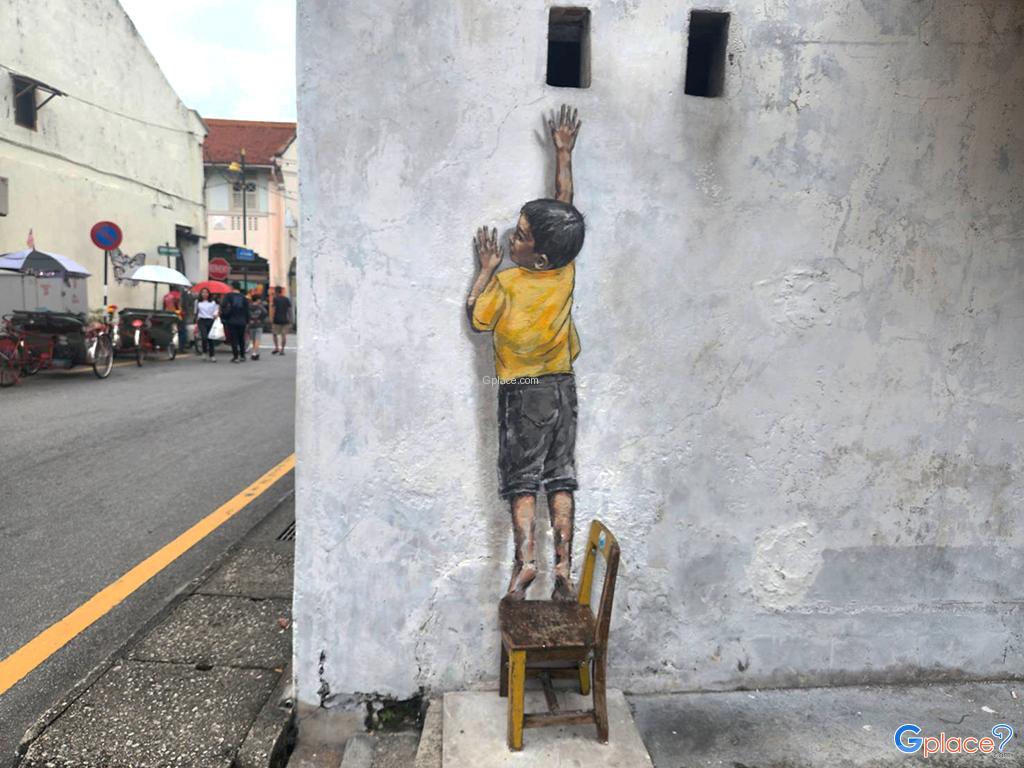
x,y
557,230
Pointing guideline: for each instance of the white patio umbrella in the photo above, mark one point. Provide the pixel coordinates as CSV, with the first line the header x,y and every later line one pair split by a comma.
x,y
154,273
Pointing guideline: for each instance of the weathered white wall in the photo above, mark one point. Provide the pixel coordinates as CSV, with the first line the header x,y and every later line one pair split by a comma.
x,y
120,146
801,307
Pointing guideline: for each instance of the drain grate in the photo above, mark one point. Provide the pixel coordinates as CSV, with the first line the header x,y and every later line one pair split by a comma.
x,y
288,534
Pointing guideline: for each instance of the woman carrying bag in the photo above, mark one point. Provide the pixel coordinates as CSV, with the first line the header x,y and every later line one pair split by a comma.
x,y
207,316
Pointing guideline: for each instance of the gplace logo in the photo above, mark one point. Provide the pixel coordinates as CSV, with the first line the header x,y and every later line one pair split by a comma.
x,y
908,740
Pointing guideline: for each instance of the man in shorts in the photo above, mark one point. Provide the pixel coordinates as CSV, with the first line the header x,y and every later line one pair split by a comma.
x,y
280,319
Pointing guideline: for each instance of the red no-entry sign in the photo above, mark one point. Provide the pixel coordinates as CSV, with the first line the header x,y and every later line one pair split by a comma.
x,y
219,269
106,235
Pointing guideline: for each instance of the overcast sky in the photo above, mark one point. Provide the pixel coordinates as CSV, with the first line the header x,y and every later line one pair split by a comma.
x,y
225,58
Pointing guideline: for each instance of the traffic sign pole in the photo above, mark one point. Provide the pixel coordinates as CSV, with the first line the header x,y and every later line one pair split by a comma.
x,y
106,236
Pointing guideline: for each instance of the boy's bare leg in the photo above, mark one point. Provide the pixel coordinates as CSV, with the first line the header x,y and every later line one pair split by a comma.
x,y
524,571
563,512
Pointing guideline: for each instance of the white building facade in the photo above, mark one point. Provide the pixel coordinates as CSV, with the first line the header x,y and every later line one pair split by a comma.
x,y
801,387
113,143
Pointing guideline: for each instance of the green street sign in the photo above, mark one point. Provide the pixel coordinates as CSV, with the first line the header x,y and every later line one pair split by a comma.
x,y
168,250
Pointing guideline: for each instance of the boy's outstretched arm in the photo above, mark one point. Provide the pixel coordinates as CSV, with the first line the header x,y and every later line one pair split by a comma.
x,y
564,128
489,254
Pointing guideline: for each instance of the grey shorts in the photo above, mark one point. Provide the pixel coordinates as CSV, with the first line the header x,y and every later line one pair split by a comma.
x,y
537,435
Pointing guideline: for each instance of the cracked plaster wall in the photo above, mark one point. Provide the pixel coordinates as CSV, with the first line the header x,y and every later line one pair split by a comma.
x,y
802,378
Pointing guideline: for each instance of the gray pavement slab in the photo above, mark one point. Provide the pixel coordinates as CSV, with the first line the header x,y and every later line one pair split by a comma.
x,y
221,630
475,734
825,727
254,572
428,753
273,731
143,715
359,752
323,735
395,750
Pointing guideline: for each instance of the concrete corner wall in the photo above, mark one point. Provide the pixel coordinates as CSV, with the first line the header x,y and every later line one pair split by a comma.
x,y
802,378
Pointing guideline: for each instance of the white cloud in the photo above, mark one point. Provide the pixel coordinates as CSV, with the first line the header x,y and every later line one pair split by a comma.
x,y
225,58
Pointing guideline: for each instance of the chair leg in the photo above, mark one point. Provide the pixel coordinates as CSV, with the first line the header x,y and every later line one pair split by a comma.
x,y
516,695
503,673
585,678
600,696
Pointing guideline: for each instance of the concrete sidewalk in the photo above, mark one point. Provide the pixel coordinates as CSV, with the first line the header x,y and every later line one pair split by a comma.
x,y
826,727
206,686
789,728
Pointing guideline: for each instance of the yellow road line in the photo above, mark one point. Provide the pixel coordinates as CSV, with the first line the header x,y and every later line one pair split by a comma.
x,y
49,641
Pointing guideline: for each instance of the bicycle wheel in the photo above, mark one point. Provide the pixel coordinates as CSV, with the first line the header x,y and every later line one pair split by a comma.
x,y
103,360
172,350
140,353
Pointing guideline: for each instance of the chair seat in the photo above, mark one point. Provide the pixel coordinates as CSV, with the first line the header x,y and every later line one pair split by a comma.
x,y
532,625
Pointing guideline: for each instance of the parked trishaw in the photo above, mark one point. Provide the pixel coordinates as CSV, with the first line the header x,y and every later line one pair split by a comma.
x,y
43,324
140,332
34,341
145,331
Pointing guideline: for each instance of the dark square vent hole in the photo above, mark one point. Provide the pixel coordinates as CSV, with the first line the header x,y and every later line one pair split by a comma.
x,y
705,54
569,47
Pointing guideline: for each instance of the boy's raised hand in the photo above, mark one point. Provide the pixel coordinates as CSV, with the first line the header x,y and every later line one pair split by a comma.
x,y
487,249
564,127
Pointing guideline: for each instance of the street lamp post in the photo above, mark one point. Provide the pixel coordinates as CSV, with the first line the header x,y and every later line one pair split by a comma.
x,y
239,168
244,195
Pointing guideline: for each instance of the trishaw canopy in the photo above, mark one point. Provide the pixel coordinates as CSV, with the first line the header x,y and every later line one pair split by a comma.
x,y
41,261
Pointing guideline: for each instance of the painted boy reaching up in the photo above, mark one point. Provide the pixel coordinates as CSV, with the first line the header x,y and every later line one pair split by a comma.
x,y
528,309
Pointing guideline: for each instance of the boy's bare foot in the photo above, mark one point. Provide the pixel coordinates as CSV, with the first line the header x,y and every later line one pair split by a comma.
x,y
564,590
522,578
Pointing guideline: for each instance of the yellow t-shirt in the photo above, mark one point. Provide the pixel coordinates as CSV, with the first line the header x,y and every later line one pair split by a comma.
x,y
530,314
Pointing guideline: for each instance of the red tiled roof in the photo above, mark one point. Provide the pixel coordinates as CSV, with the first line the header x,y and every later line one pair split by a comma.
x,y
262,141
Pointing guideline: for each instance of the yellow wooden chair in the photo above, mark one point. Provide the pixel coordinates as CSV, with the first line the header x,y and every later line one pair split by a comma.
x,y
548,639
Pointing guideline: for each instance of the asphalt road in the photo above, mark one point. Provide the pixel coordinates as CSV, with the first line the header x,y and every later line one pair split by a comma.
x,y
97,475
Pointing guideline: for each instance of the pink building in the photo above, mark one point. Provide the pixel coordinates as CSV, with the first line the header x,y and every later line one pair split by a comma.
x,y
268,225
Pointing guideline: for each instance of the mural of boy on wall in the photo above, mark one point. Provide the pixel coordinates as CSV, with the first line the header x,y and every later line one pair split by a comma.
x,y
528,309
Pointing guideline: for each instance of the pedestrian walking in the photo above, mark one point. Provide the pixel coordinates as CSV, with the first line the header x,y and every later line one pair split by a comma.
x,y
234,313
207,310
185,311
280,319
257,317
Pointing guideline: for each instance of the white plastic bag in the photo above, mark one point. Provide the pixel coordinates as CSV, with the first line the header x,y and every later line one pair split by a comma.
x,y
216,330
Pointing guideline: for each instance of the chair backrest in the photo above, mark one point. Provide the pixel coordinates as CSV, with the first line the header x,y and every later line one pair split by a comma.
x,y
600,540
